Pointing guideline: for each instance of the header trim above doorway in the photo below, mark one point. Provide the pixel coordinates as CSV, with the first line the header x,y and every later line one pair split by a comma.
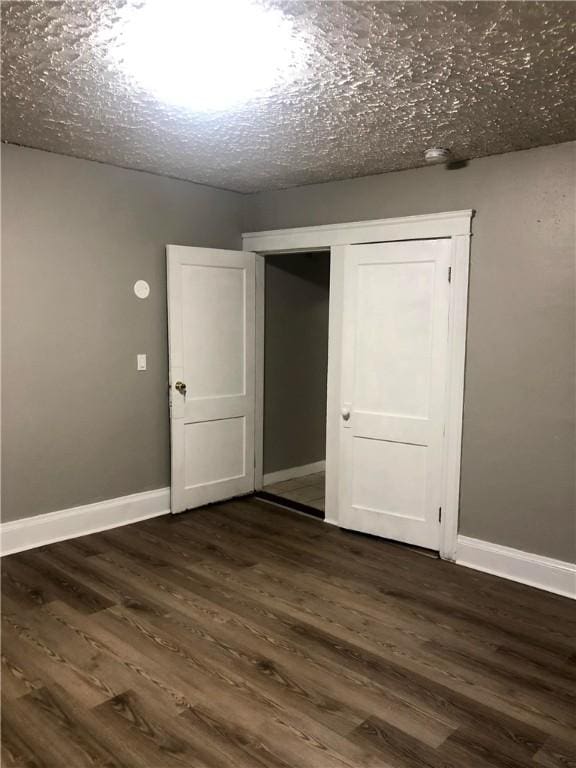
x,y
430,225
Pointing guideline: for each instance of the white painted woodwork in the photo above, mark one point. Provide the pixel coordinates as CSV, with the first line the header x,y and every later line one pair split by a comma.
x,y
394,377
41,530
448,224
457,324
453,225
546,573
259,375
335,318
211,320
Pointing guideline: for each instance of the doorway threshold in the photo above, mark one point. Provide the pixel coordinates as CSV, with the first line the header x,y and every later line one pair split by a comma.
x,y
297,506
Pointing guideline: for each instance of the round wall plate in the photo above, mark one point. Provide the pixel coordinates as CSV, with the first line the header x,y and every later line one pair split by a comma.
x,y
141,289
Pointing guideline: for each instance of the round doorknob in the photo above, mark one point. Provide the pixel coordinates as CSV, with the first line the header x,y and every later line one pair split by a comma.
x,y
180,387
345,413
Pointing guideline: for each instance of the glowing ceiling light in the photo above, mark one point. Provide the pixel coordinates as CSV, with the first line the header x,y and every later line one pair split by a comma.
x,y
208,55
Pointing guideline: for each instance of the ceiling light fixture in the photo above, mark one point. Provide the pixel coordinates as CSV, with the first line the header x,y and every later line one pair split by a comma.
x,y
436,155
208,55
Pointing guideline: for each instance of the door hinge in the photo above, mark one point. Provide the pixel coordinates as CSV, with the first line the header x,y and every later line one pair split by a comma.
x,y
449,274
439,514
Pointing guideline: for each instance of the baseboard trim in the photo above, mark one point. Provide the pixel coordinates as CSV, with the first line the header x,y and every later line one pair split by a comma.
x,y
293,472
31,532
534,570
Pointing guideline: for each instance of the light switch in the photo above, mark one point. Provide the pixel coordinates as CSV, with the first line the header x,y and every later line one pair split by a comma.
x,y
141,362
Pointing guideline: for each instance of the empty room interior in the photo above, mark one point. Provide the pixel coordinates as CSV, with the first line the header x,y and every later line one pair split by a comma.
x,y
288,384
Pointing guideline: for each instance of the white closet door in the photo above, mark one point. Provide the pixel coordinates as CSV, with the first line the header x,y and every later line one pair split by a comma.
x,y
211,319
394,365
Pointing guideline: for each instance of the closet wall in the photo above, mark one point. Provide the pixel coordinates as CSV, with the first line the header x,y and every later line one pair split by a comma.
x,y
296,359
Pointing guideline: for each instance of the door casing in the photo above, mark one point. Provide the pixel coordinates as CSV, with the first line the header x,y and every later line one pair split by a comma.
x,y
455,225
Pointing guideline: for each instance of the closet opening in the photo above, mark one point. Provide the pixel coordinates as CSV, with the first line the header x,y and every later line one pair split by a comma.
x,y
297,292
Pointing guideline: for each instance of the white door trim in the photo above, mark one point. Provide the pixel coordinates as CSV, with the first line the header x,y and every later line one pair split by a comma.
x,y
259,375
455,225
447,224
457,323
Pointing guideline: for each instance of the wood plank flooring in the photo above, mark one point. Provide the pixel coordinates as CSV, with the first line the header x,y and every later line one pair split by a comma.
x,y
245,636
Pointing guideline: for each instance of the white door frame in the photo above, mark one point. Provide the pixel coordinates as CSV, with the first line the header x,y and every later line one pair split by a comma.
x,y
455,225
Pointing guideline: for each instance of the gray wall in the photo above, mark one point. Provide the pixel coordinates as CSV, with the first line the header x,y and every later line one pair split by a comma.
x,y
519,421
80,424
296,359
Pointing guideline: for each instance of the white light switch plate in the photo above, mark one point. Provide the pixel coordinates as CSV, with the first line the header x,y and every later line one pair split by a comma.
x,y
141,362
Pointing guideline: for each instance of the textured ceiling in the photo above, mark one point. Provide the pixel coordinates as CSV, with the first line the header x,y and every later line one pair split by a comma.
x,y
378,83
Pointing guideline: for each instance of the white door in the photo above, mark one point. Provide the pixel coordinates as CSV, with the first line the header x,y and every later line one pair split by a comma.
x,y
211,322
394,367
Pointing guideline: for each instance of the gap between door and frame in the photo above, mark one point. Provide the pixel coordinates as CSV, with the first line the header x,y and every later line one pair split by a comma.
x,y
294,356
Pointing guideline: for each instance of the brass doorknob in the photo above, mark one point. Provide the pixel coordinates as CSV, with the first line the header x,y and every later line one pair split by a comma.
x,y
180,387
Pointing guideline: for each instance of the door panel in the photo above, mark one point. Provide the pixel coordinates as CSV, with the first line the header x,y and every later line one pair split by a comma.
x,y
211,308
214,451
393,388
214,363
393,337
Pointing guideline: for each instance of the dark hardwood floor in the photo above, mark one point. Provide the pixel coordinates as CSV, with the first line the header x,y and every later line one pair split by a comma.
x,y
242,636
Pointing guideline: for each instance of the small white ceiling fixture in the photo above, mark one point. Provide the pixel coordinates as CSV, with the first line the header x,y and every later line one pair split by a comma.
x,y
437,155
208,56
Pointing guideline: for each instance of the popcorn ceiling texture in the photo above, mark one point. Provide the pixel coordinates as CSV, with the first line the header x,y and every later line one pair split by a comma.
x,y
381,82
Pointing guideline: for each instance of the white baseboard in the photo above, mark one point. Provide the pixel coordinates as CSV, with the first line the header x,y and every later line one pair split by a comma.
x,y
293,472
535,570
45,529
